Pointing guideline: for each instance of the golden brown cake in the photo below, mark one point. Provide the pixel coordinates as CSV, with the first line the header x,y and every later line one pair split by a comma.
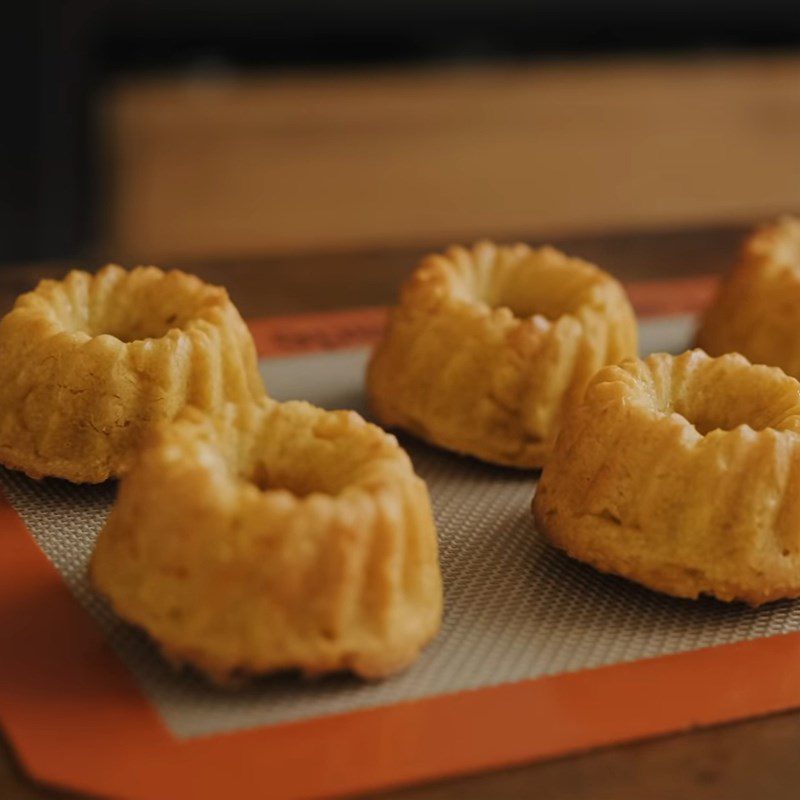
x,y
490,345
89,364
757,309
272,537
683,474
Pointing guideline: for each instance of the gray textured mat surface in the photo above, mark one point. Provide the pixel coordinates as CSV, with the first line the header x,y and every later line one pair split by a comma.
x,y
514,608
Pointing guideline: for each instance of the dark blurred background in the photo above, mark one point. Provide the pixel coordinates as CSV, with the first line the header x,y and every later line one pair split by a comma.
x,y
156,130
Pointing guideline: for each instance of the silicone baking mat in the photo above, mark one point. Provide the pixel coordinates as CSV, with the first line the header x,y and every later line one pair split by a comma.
x,y
518,615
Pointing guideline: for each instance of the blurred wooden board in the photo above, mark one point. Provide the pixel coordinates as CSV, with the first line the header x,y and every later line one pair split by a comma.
x,y
203,166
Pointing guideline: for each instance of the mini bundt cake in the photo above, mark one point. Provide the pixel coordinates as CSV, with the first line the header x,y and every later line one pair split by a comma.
x,y
90,363
683,474
757,309
488,346
272,537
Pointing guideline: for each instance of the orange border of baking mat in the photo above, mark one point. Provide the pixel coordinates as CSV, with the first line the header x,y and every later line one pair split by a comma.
x,y
326,330
77,718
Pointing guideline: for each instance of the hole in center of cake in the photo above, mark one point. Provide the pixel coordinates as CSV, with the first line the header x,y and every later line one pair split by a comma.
x,y
745,395
147,305
544,284
269,478
522,310
526,304
705,424
146,327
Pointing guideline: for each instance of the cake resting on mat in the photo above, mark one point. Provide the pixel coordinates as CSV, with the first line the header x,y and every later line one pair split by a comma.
x,y
490,346
682,473
271,537
91,363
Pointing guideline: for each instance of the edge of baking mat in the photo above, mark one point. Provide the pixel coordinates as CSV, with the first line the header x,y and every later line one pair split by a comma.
x,y
334,330
76,718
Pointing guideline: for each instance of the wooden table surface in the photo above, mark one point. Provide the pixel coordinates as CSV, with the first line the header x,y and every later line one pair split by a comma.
x,y
753,759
